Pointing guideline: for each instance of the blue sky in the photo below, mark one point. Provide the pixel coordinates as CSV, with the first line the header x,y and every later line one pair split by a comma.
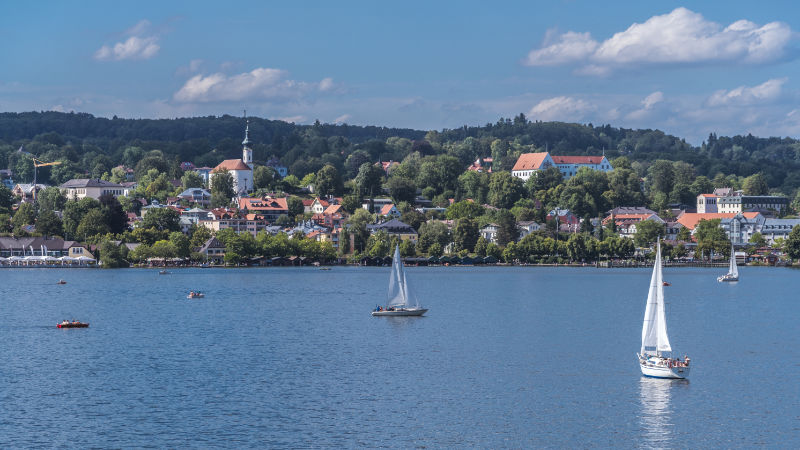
x,y
717,66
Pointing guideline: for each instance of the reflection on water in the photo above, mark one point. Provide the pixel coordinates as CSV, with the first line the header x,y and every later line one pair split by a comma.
x,y
656,412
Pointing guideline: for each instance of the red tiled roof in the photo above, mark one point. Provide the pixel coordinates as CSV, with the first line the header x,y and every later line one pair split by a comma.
x,y
263,204
231,164
387,209
708,195
332,209
530,161
690,220
577,159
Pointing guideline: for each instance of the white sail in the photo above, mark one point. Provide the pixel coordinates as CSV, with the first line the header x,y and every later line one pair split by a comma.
x,y
400,295
733,269
654,328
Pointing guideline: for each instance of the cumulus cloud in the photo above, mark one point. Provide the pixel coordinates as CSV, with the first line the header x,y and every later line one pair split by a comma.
x,y
140,44
746,95
261,83
561,108
292,119
680,37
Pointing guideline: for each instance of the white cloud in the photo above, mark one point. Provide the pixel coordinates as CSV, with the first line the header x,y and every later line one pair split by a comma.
x,y
745,95
292,119
680,37
139,45
648,104
258,84
342,119
652,99
570,47
561,108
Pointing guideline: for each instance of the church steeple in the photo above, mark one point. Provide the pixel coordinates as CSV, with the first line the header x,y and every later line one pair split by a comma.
x,y
247,152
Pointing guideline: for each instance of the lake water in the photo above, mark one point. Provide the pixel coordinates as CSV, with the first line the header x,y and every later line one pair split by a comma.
x,y
290,357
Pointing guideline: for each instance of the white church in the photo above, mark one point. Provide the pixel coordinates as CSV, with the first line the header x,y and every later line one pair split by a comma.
x,y
240,169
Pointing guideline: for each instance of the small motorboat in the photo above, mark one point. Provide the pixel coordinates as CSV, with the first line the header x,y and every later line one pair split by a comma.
x,y
73,324
324,268
163,272
666,283
61,282
195,295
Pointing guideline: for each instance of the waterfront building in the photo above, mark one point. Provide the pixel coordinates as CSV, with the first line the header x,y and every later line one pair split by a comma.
x,y
740,228
773,229
527,227
489,232
213,251
395,227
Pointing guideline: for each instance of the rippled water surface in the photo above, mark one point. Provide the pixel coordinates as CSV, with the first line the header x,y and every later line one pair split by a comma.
x,y
290,357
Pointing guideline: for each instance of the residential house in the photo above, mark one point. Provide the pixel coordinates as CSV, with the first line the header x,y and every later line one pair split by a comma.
x,y
79,188
276,165
213,251
387,166
527,227
271,208
5,176
315,205
489,232
481,165
186,165
196,195
395,227
566,220
690,220
378,203
205,173
25,191
222,218
389,211
129,173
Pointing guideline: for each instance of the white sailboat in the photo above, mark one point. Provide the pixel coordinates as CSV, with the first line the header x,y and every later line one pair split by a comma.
x,y
655,356
733,270
402,302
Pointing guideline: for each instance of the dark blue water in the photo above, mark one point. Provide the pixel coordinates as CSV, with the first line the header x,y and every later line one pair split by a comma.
x,y
506,357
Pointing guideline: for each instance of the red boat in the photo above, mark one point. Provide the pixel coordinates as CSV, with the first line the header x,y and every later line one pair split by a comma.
x,y
73,324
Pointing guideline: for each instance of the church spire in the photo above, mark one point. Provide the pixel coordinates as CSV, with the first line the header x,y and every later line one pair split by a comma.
x,y
247,152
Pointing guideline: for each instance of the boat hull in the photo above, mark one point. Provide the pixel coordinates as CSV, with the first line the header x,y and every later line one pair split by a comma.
x,y
664,372
724,278
73,325
401,312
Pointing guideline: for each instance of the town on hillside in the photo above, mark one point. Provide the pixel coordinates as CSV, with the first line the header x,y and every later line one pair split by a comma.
x,y
513,205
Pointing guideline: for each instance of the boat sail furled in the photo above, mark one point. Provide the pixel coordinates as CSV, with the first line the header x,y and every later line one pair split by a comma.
x,y
654,357
402,301
733,269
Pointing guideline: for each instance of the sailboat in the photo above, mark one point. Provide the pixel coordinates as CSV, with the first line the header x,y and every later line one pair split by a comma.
x,y
655,356
733,270
402,301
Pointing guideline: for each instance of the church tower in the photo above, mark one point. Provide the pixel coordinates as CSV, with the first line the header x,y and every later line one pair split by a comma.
x,y
247,152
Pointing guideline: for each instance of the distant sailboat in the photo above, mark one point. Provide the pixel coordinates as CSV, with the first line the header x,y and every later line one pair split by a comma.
x,y
733,270
402,302
655,356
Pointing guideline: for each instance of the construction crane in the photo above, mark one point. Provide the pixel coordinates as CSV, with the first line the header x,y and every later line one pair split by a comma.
x,y
36,164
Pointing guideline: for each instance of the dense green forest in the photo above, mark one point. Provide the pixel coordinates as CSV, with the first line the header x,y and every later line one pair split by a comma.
x,y
91,146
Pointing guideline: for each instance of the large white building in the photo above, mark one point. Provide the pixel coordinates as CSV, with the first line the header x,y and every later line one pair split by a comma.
x,y
729,201
240,169
79,188
529,163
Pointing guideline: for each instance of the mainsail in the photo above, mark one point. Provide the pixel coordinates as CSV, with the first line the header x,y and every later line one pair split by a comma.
x,y
400,295
654,328
733,269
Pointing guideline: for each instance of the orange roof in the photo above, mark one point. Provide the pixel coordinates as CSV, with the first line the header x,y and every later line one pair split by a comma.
x,y
708,195
690,220
231,164
577,159
332,209
530,161
387,209
263,204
